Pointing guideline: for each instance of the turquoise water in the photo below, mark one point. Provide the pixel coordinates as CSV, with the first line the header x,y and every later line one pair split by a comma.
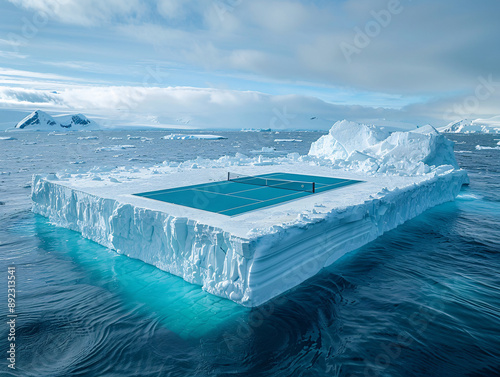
x,y
422,300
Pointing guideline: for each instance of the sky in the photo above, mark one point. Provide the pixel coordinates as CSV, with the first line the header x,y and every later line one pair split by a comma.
x,y
251,64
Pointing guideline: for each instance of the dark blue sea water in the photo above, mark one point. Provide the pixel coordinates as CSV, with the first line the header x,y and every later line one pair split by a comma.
x,y
422,300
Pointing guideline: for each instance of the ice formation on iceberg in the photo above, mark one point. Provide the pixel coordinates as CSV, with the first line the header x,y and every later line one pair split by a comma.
x,y
256,256
369,148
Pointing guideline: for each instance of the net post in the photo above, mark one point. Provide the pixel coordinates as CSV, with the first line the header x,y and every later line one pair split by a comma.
x,y
314,187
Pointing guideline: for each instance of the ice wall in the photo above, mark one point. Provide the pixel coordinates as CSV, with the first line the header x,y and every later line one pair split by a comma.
x,y
198,253
248,270
287,256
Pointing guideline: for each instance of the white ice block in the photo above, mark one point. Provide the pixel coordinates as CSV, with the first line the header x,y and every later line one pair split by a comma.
x,y
252,257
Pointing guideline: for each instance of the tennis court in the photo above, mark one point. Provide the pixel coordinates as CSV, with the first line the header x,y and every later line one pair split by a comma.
x,y
240,193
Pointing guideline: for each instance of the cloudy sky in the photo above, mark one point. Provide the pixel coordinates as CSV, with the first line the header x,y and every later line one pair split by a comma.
x,y
251,63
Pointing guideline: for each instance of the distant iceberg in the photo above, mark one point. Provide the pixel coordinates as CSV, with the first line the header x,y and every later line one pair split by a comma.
x,y
256,130
477,126
193,137
114,148
481,147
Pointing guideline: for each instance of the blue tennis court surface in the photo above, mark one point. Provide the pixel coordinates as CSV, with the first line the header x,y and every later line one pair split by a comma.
x,y
234,197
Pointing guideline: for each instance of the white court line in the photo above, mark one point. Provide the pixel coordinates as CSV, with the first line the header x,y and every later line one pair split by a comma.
x,y
185,188
335,184
231,195
263,201
279,197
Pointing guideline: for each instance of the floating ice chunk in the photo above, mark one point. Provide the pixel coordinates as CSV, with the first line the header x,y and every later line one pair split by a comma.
x,y
7,138
114,148
192,137
287,141
88,138
265,150
481,147
256,130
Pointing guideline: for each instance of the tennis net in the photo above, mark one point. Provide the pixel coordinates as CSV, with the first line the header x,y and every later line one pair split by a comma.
x,y
272,182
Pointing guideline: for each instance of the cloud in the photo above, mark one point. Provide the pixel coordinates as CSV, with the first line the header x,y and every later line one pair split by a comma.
x,y
86,12
424,49
12,54
203,107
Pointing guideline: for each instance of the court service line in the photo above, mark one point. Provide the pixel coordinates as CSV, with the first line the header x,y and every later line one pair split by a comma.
x,y
263,201
179,189
231,195
336,184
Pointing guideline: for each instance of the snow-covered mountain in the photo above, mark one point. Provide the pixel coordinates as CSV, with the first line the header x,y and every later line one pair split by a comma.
x,y
40,120
468,126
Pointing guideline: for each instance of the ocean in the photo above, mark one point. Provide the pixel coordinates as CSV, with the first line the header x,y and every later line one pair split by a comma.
x,y
422,300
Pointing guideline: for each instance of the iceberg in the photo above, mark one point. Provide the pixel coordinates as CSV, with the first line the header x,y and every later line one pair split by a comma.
x,y
253,257
193,137
114,148
477,126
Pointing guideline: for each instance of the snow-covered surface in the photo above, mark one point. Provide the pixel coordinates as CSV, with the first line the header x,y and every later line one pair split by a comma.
x,y
41,121
258,255
193,137
468,126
